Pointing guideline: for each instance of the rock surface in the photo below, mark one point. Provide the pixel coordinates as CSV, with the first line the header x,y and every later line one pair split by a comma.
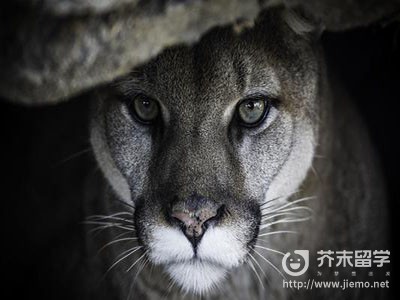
x,y
52,50
338,15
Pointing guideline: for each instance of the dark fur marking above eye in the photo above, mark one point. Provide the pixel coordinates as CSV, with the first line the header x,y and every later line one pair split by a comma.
x,y
240,70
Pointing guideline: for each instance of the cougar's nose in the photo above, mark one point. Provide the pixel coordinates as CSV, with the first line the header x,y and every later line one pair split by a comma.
x,y
194,215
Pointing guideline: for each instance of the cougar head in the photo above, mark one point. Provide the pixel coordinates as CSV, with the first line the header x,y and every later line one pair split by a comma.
x,y
199,138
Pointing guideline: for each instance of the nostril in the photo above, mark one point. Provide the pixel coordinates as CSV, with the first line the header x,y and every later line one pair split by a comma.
x,y
195,222
182,218
190,222
194,215
177,221
221,211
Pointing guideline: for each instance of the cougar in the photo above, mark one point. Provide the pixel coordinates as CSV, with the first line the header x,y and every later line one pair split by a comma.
x,y
221,157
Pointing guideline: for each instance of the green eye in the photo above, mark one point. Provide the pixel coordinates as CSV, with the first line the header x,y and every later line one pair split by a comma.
x,y
145,109
252,111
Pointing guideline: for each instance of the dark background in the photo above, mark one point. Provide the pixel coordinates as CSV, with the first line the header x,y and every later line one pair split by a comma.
x,y
44,168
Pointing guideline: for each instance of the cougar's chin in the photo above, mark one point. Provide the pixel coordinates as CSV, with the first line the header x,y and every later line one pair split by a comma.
x,y
198,271
196,276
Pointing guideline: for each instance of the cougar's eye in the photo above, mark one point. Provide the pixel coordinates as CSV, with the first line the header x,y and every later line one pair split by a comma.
x,y
145,109
252,111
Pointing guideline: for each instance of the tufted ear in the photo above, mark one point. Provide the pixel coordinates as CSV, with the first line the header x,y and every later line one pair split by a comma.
x,y
302,23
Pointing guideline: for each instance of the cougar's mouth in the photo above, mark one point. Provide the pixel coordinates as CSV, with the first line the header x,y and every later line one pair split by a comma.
x,y
198,270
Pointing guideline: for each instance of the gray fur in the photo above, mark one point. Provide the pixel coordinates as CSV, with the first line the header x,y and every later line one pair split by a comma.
x,y
198,147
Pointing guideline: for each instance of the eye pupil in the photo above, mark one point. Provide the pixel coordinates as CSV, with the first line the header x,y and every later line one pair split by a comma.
x,y
250,105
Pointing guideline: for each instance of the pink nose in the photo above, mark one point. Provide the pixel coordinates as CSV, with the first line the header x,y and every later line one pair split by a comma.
x,y
194,215
193,221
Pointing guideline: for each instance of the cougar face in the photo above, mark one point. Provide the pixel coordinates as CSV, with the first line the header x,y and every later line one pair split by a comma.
x,y
201,137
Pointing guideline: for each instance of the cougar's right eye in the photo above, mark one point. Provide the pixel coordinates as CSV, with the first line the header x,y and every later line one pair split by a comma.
x,y
253,110
144,109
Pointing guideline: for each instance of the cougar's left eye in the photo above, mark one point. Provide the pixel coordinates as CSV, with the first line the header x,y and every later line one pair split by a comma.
x,y
145,109
252,111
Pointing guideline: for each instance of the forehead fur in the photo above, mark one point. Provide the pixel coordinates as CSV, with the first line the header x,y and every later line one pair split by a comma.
x,y
226,65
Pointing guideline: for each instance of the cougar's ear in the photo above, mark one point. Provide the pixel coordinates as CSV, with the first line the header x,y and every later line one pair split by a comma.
x,y
302,23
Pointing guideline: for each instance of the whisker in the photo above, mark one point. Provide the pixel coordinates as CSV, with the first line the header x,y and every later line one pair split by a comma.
x,y
258,264
263,240
298,208
135,262
105,218
146,261
263,226
125,203
143,265
122,234
269,249
124,257
122,213
292,203
116,241
130,290
169,288
124,252
277,215
277,232
100,228
270,263
271,200
112,224
90,222
277,198
315,173
250,263
72,156
294,211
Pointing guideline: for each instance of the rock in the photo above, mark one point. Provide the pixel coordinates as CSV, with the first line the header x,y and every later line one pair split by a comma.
x,y
52,50
77,7
338,15
47,58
